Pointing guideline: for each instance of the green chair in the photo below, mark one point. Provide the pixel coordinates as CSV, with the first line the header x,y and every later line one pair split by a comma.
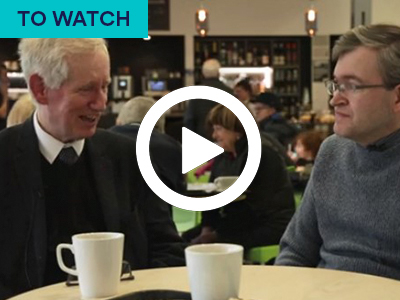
x,y
264,255
185,219
191,178
291,169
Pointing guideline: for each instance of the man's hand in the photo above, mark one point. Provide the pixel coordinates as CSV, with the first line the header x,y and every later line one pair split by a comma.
x,y
207,235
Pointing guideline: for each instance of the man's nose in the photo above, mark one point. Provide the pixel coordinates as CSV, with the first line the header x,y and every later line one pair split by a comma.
x,y
99,101
337,99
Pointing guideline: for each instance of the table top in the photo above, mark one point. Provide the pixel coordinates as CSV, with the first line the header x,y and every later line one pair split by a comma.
x,y
257,283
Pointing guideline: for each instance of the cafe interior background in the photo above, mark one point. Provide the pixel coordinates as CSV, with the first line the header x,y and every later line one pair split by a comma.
x,y
269,41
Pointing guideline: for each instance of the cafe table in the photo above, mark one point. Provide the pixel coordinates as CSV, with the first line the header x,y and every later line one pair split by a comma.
x,y
257,283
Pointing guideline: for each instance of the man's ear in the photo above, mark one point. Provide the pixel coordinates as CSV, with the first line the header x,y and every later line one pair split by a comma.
x,y
38,88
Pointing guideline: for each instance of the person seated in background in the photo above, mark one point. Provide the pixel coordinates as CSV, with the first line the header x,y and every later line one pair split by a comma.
x,y
22,110
349,216
60,176
243,91
259,219
266,107
306,147
3,95
166,153
197,109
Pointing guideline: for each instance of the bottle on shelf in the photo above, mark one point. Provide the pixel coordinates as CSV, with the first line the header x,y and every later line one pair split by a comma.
x,y
295,74
288,89
275,76
197,54
282,60
229,55
265,57
214,49
294,89
249,57
293,108
306,105
278,75
241,58
235,54
288,53
288,75
285,111
206,52
275,58
222,54
294,53
282,75
255,56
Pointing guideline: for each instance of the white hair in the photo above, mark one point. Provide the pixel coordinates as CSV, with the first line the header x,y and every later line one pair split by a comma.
x,y
47,57
134,111
211,68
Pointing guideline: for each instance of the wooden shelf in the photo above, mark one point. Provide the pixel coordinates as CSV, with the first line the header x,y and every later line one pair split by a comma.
x,y
280,53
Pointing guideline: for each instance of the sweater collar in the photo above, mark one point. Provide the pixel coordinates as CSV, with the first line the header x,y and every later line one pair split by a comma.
x,y
385,143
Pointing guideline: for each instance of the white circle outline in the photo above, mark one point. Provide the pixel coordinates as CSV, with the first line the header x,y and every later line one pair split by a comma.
x,y
211,202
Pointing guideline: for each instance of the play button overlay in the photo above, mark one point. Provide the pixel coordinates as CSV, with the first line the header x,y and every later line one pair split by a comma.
x,y
192,203
196,150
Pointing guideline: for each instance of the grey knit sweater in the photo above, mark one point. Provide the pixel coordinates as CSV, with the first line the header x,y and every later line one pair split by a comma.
x,y
350,215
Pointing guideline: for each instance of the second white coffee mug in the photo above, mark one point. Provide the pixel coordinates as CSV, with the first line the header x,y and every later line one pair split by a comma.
x,y
98,259
214,270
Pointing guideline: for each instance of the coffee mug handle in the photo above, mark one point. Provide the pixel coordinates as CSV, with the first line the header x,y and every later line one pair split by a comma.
x,y
60,260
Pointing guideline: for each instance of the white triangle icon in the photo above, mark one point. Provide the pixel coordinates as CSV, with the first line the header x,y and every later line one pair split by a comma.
x,y
196,150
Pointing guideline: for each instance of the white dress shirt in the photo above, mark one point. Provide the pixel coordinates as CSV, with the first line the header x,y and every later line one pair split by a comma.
x,y
49,146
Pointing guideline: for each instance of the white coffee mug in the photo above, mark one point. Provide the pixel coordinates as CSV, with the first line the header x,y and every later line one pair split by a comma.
x,y
98,259
214,270
224,182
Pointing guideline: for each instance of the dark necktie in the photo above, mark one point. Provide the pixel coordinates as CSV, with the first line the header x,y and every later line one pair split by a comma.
x,y
68,156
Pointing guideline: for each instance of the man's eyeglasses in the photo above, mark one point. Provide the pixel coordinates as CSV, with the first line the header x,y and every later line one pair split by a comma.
x,y
332,87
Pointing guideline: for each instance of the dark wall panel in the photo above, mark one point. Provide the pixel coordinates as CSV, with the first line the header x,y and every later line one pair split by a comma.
x,y
8,49
161,52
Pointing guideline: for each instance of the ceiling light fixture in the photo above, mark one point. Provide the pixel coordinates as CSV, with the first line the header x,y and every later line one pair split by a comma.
x,y
311,20
202,21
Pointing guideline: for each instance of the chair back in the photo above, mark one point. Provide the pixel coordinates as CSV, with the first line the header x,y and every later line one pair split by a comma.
x,y
185,219
264,255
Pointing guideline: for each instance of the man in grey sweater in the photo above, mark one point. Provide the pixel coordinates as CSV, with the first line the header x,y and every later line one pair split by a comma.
x,y
350,215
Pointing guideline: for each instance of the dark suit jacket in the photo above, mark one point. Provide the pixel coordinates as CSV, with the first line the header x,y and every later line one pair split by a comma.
x,y
198,109
166,154
128,205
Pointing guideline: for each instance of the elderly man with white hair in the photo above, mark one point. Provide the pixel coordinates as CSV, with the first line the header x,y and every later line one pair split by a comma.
x,y
197,109
166,153
60,175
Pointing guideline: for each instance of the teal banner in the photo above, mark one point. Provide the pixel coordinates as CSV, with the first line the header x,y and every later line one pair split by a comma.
x,y
74,19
